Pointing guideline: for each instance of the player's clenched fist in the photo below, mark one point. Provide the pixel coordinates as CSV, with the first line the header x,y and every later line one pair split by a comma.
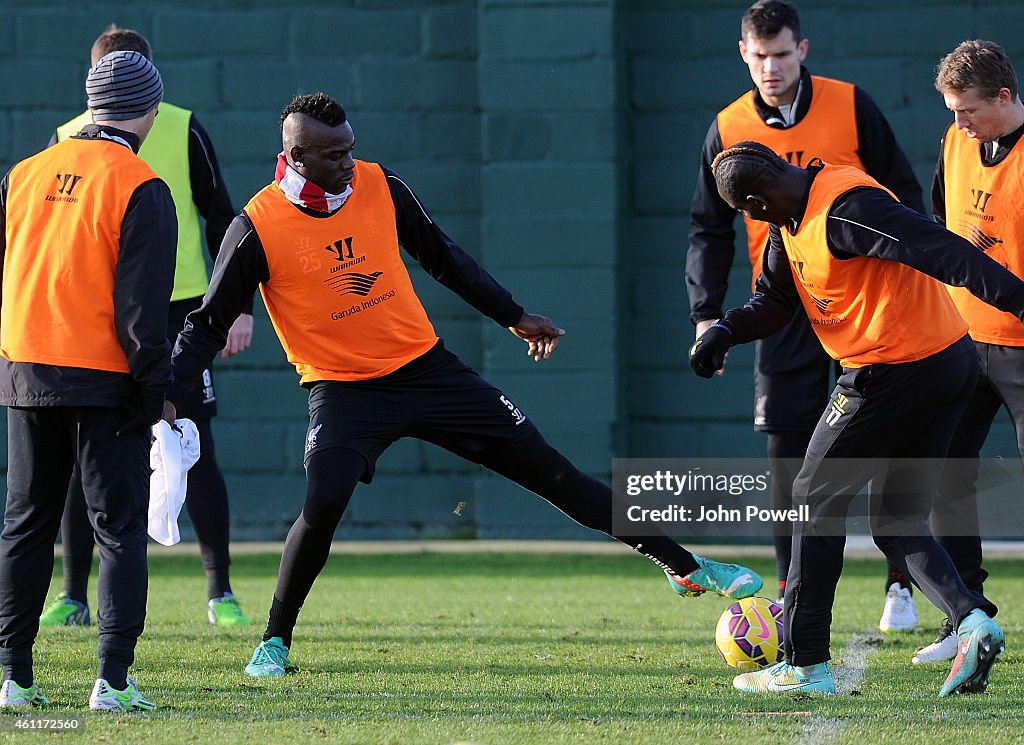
x,y
707,355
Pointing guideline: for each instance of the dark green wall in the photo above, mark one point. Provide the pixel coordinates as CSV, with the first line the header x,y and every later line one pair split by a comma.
x,y
683,66
556,140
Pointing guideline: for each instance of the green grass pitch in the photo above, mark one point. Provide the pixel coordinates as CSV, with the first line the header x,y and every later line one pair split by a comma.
x,y
507,649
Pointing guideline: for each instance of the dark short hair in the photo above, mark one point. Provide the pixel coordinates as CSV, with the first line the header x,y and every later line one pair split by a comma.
x,y
317,105
976,64
116,39
765,19
746,168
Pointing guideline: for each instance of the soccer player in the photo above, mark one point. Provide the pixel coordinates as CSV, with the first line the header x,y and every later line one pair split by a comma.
x,y
800,116
863,267
974,194
180,152
88,264
321,242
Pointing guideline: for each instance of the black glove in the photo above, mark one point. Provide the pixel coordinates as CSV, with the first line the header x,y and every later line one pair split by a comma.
x,y
146,410
707,355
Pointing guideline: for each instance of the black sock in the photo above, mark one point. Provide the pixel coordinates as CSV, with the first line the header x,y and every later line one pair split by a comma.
x,y
535,465
663,551
282,622
116,654
77,541
115,673
898,578
218,583
76,578
20,673
783,555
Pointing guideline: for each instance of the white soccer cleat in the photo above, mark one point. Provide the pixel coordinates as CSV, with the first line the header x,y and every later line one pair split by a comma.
x,y
105,697
899,613
943,648
13,696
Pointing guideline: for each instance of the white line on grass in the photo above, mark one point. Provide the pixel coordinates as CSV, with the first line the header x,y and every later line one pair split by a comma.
x,y
849,675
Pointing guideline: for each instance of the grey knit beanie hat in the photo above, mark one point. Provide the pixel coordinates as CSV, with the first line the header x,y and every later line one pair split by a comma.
x,y
123,85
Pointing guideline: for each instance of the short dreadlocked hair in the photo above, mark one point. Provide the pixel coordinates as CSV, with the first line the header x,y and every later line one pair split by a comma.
x,y
979,64
318,106
746,168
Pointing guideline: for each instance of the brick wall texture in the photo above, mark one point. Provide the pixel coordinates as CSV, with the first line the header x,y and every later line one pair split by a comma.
x,y
557,141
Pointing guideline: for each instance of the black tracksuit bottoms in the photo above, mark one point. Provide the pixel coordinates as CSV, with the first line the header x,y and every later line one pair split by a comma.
x,y
890,425
955,518
44,445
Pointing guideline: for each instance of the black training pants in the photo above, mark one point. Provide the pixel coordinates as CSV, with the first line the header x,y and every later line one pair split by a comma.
x,y
44,444
890,424
955,517
436,398
791,383
206,502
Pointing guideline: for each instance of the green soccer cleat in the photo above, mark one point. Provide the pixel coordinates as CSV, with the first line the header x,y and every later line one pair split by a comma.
x,y
105,697
225,611
980,641
729,580
270,659
785,678
64,611
13,696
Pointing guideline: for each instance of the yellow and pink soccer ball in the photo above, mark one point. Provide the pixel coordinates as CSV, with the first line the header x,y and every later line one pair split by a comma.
x,y
749,634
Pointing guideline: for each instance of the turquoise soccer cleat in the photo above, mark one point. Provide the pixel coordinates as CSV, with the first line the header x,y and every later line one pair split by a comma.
x,y
270,659
980,641
729,580
785,678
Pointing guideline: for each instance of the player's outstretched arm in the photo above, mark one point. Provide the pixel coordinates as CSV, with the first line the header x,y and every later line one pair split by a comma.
x,y
540,333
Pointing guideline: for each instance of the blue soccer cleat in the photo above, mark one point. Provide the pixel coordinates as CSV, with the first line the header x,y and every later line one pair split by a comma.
x,y
980,641
729,580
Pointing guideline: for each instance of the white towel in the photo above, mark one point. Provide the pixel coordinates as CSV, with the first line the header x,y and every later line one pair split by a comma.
x,y
170,457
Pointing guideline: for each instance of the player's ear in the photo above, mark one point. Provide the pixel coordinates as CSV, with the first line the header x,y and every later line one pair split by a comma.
x,y
802,48
756,204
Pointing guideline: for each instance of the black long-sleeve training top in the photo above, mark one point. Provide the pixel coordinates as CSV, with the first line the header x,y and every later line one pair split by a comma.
x,y
866,221
242,265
